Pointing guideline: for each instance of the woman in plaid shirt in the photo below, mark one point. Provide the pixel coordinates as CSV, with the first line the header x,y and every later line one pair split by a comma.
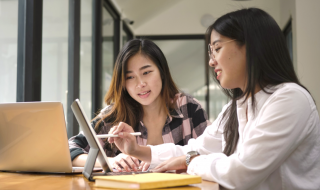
x,y
143,95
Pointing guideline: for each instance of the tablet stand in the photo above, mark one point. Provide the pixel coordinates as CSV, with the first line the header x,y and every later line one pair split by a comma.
x,y
89,165
96,150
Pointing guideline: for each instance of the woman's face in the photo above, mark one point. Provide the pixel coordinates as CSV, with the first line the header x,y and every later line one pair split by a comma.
x,y
229,61
143,80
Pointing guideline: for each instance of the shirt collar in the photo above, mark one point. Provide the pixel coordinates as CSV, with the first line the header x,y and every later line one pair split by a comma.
x,y
260,99
176,113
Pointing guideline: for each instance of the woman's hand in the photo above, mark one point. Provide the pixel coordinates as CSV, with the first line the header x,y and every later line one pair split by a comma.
x,y
175,163
126,162
125,142
144,166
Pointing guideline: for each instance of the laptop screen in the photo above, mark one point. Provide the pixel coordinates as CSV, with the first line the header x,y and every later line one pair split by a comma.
x,y
33,137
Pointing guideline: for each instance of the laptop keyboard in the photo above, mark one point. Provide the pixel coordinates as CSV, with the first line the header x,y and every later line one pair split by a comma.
x,y
127,173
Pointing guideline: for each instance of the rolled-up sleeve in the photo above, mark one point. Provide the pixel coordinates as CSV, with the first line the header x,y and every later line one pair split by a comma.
x,y
78,144
210,141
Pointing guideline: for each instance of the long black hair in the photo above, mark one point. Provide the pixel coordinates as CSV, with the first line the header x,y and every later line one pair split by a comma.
x,y
267,61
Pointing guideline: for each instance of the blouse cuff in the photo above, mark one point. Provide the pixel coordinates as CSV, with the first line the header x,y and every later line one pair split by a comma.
x,y
202,165
154,157
161,153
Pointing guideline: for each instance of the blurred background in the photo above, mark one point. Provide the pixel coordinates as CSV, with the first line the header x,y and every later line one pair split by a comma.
x,y
59,50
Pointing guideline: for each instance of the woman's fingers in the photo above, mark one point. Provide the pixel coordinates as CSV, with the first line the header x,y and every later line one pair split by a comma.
x,y
175,163
135,161
126,163
120,128
123,163
120,165
141,165
117,166
160,168
131,164
111,131
144,166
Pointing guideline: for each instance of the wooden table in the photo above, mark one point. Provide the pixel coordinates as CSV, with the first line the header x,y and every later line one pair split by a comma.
x,y
26,181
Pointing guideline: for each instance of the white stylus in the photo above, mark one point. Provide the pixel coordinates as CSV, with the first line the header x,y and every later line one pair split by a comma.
x,y
107,136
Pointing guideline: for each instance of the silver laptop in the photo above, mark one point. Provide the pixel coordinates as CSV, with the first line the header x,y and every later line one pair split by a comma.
x,y
33,138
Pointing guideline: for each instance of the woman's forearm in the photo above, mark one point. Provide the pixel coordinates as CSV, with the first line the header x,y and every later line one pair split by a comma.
x,y
80,161
143,153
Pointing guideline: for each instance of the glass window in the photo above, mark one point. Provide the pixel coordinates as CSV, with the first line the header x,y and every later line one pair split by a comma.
x,y
124,37
55,51
217,99
126,33
85,56
187,65
107,51
8,50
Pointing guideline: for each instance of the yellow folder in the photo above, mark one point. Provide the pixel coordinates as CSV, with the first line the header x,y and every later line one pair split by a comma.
x,y
146,181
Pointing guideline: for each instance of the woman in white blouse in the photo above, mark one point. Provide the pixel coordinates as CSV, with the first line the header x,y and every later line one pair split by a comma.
x,y
268,136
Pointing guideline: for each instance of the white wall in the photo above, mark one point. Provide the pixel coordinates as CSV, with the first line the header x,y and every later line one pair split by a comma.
x,y
308,45
170,17
8,50
306,41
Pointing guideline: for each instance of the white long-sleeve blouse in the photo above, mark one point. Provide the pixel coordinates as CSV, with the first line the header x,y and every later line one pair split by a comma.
x,y
278,147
